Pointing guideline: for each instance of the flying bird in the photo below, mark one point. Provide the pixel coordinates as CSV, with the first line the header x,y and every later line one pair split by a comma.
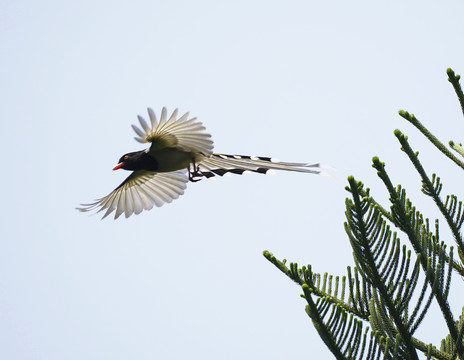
x,y
180,151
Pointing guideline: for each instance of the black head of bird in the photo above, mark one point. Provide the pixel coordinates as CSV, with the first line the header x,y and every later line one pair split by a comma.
x,y
137,160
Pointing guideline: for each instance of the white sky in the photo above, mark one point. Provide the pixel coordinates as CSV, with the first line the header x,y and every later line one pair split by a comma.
x,y
304,81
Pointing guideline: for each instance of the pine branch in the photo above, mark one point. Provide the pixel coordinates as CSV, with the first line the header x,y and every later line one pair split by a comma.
x,y
430,189
306,276
324,332
454,80
408,223
367,263
316,289
457,147
413,120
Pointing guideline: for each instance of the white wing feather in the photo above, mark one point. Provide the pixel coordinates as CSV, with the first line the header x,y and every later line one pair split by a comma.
x,y
190,133
141,191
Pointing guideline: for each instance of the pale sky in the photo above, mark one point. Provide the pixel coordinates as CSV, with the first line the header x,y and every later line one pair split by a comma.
x,y
303,81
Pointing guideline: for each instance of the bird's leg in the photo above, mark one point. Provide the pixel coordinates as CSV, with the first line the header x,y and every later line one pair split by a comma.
x,y
195,174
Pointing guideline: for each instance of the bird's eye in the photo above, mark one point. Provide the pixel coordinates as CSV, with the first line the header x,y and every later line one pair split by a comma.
x,y
126,157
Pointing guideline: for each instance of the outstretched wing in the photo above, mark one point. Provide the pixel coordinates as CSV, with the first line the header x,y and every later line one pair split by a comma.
x,y
141,191
187,134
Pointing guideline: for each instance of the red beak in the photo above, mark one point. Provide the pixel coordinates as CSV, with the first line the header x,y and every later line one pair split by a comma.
x,y
118,166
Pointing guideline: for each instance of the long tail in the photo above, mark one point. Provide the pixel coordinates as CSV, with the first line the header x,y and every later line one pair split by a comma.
x,y
221,164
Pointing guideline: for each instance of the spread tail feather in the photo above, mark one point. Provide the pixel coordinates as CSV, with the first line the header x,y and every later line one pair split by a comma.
x,y
221,164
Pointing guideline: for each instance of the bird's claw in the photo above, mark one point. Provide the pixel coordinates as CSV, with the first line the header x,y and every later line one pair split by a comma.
x,y
195,174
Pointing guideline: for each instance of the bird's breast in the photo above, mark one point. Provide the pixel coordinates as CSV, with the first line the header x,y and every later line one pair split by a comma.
x,y
173,159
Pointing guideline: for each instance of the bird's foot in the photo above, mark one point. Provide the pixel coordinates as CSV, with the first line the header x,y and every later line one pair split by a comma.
x,y
195,179
195,174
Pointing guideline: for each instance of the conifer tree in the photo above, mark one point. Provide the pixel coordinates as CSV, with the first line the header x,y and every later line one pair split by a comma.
x,y
374,311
